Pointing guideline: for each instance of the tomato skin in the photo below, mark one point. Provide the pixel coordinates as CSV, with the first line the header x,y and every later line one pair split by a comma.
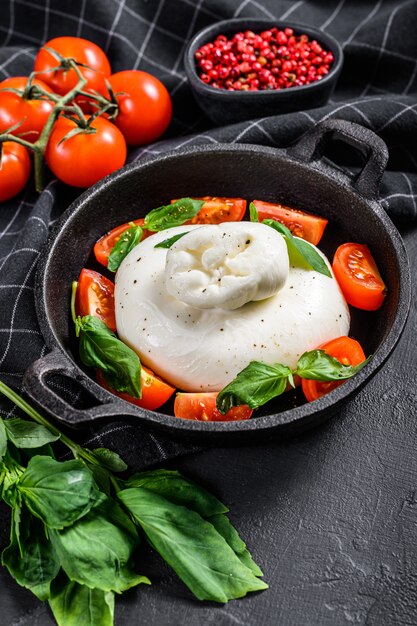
x,y
305,225
14,169
358,276
80,50
95,296
104,245
202,407
155,391
216,210
145,107
84,159
13,108
346,350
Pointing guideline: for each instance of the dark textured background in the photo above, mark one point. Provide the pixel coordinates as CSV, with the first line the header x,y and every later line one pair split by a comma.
x,y
330,517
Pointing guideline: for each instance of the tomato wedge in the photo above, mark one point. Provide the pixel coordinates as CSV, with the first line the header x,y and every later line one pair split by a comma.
x,y
217,210
155,391
346,350
95,296
105,244
202,407
358,276
305,225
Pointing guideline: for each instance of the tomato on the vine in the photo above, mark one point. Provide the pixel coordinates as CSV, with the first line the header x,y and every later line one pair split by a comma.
x,y
82,51
346,350
202,407
14,108
358,276
155,391
95,296
85,158
145,107
305,225
14,169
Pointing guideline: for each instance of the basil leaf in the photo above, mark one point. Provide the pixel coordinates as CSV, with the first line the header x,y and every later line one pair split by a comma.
x,y
253,212
111,460
173,214
167,243
224,527
77,605
99,347
3,439
300,248
255,385
35,564
129,239
96,552
58,493
25,434
179,490
318,365
191,546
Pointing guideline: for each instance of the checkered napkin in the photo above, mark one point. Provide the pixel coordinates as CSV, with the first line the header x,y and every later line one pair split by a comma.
x,y
377,88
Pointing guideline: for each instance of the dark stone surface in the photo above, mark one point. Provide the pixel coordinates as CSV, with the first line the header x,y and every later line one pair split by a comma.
x,y
330,517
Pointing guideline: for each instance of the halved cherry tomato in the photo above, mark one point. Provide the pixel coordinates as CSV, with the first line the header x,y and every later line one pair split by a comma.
x,y
358,276
155,391
305,225
202,407
105,244
216,210
14,169
13,108
95,296
346,350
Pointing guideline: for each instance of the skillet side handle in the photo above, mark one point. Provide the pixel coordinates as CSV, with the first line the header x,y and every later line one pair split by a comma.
x,y
312,145
36,385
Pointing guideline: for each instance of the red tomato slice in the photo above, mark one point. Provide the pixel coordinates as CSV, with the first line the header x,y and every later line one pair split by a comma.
x,y
202,407
305,225
105,244
358,276
155,391
95,296
217,210
346,350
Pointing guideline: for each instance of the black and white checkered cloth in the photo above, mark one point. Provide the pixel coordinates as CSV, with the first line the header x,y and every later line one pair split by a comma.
x,y
377,88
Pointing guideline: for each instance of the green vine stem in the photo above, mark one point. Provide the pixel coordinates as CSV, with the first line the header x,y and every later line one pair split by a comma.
x,y
62,105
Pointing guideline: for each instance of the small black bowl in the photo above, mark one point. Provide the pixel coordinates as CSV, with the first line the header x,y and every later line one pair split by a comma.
x,y
227,107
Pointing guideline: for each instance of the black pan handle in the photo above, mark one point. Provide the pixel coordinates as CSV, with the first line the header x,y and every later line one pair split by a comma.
x,y
312,145
36,384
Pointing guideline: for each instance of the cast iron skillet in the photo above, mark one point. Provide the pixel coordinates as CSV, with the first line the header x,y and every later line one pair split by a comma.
x,y
299,177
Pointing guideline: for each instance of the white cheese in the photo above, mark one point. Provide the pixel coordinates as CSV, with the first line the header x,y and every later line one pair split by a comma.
x,y
226,265
203,349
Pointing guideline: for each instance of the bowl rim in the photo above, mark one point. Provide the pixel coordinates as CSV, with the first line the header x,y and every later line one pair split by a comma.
x,y
307,412
205,34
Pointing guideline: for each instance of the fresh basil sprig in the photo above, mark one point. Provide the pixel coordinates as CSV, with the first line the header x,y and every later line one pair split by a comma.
x,y
167,243
300,251
72,542
173,214
258,383
99,347
128,240
318,365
